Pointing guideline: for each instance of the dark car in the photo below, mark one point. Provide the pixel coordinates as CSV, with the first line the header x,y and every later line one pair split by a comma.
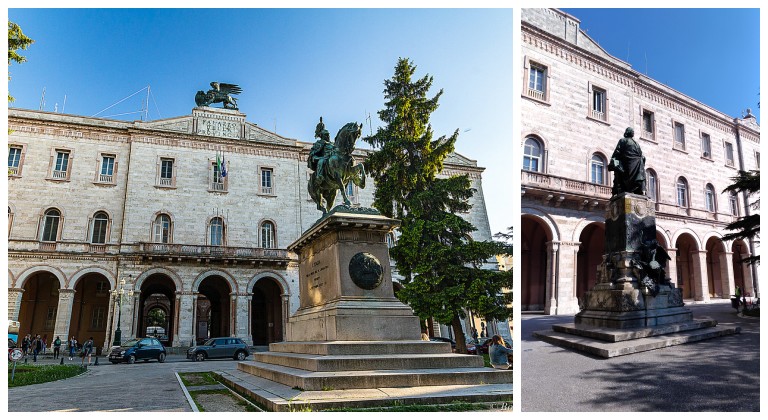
x,y
219,347
138,349
445,340
479,348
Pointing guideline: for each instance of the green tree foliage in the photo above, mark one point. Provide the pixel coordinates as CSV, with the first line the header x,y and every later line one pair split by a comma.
x,y
156,318
442,268
747,227
16,41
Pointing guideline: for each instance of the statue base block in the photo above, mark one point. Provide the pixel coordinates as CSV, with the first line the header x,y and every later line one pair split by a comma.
x,y
628,307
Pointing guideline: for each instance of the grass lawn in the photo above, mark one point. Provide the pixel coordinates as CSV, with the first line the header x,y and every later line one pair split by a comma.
x,y
31,374
197,378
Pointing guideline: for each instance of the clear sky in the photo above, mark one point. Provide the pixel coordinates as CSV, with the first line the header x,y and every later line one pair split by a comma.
x,y
711,55
293,65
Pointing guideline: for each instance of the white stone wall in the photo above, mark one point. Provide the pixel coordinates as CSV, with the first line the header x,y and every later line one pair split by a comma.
x,y
573,64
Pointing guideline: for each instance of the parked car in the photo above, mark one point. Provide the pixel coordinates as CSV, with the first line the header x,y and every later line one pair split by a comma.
x,y
219,347
445,340
482,348
138,349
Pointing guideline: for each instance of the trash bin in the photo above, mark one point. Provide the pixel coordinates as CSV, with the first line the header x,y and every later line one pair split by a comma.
x,y
735,303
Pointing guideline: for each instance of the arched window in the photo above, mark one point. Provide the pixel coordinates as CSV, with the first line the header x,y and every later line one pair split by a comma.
x,y
216,229
267,235
162,229
709,198
532,155
733,200
351,191
51,225
651,185
597,169
99,228
682,192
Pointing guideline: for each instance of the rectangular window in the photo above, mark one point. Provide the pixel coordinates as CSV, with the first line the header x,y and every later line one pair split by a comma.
x,y
598,107
217,181
99,230
757,159
706,148
62,165
536,82
266,181
679,136
166,172
107,171
14,160
648,122
728,154
50,318
734,203
97,318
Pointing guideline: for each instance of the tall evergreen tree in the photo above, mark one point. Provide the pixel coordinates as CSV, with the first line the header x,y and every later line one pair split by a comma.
x,y
747,227
16,41
442,268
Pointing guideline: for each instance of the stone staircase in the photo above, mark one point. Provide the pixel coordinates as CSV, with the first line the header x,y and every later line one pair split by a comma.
x,y
355,373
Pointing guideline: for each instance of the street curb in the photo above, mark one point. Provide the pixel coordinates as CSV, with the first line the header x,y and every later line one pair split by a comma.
x,y
186,393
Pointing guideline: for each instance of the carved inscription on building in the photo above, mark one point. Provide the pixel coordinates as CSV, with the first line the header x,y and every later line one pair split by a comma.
x,y
315,275
218,128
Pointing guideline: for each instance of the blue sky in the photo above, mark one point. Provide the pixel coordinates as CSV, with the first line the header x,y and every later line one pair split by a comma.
x,y
293,66
711,55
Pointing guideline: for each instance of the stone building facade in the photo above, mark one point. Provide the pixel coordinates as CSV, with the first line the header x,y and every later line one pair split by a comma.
x,y
112,220
577,100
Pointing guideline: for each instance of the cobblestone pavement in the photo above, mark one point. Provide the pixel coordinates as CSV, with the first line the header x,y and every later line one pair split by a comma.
x,y
720,374
144,386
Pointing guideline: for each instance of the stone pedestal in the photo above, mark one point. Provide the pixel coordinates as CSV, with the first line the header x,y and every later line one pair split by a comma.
x,y
619,300
628,311
346,285
351,335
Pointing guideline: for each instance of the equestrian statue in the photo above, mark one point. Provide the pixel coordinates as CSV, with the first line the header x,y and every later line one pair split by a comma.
x,y
333,165
219,92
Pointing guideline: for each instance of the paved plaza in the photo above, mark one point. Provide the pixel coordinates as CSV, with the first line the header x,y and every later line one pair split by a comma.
x,y
721,374
144,386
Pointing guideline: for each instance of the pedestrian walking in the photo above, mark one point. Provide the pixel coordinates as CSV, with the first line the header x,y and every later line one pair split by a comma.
x,y
26,343
87,351
37,347
45,343
56,347
72,347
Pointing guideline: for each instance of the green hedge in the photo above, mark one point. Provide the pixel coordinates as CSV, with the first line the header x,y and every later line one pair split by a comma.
x,y
30,374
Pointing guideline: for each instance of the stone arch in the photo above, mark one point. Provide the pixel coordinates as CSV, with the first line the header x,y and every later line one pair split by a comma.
x,y
87,270
546,218
216,272
26,274
583,223
664,234
268,310
688,264
589,256
535,262
286,290
11,279
158,270
717,266
689,231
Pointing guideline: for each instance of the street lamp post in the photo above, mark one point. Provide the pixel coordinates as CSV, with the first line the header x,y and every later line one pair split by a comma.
x,y
118,294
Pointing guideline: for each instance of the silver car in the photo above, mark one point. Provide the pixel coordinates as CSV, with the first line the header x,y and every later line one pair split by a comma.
x,y
219,347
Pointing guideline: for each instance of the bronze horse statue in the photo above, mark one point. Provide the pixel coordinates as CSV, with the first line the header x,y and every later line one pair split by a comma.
x,y
220,92
338,170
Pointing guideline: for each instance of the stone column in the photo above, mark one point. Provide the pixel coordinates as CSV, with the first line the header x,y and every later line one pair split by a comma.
x,y
242,316
567,301
248,337
700,277
134,315
550,294
184,334
286,311
672,266
749,288
110,336
14,303
726,274
64,312
233,314
195,295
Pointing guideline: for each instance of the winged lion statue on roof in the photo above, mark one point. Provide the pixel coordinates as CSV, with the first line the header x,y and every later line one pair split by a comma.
x,y
219,92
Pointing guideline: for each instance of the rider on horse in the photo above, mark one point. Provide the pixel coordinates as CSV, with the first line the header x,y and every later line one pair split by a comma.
x,y
321,150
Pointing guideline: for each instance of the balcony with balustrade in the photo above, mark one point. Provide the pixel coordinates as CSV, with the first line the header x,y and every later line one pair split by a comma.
x,y
559,191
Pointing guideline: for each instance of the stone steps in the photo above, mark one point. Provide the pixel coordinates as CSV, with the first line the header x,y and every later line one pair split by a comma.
x,y
607,349
624,334
279,397
321,363
338,348
365,379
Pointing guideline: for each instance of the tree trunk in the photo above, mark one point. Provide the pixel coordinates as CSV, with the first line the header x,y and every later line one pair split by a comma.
x,y
461,344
